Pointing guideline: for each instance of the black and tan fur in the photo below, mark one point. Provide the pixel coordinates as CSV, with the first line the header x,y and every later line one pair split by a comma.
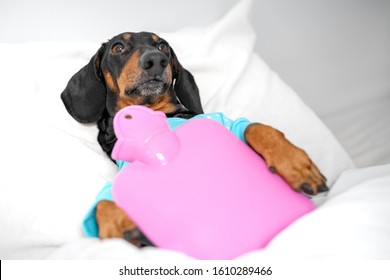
x,y
142,69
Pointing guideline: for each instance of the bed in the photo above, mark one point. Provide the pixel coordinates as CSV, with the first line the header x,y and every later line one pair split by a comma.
x,y
53,167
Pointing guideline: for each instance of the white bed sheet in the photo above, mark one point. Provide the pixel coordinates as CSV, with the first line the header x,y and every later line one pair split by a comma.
x,y
352,224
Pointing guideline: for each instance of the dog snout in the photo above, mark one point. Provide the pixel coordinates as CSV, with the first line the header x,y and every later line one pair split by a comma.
x,y
154,63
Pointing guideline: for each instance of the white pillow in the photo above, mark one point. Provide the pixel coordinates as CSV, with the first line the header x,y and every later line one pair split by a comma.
x,y
236,81
53,166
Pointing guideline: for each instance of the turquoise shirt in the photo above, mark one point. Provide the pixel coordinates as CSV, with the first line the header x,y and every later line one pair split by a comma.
x,y
90,227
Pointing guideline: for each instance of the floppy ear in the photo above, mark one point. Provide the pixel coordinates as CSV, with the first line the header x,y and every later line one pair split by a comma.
x,y
85,95
185,87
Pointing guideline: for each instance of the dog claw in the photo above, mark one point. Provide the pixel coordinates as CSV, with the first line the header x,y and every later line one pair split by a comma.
x,y
272,169
307,189
129,235
323,188
137,238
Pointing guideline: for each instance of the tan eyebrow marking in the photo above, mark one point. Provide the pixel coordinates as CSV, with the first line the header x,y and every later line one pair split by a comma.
x,y
126,36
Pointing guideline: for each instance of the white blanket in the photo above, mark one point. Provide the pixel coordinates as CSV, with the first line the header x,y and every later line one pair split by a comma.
x,y
53,167
352,224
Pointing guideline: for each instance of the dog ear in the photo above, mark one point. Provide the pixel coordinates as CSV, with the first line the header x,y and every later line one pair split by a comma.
x,y
85,94
185,87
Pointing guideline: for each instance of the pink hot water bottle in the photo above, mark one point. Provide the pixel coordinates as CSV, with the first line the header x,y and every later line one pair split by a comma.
x,y
198,189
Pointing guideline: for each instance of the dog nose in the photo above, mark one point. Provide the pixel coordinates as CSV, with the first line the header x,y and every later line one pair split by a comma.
x,y
154,62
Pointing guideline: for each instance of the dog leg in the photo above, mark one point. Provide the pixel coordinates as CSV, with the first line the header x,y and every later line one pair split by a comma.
x,y
114,223
282,157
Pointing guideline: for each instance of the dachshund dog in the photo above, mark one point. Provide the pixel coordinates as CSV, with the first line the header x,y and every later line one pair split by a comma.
x,y
142,69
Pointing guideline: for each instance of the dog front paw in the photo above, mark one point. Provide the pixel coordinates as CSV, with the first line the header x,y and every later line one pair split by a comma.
x,y
113,222
295,166
137,238
289,161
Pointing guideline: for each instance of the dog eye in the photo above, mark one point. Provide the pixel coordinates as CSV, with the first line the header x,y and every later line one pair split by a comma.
x,y
163,47
118,48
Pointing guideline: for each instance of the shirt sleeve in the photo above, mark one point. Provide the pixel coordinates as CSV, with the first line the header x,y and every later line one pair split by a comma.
x,y
89,225
237,127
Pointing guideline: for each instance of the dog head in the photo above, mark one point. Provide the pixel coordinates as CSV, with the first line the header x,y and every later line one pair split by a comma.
x,y
131,69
